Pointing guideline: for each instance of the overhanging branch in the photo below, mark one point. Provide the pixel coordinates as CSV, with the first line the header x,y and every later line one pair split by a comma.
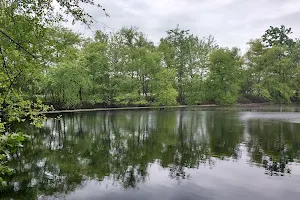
x,y
18,44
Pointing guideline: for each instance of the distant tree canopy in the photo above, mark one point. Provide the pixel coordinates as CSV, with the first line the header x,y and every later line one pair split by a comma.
x,y
124,68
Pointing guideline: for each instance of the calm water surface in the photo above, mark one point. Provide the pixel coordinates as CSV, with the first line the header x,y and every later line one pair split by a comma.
x,y
203,155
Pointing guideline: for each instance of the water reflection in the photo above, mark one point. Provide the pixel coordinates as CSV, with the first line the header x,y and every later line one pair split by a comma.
x,y
274,144
120,148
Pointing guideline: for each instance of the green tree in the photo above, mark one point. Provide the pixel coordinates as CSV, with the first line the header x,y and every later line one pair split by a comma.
x,y
223,81
195,90
189,56
272,72
136,63
19,72
278,36
279,74
95,61
175,48
295,59
198,67
253,72
64,82
147,61
164,92
67,85
24,54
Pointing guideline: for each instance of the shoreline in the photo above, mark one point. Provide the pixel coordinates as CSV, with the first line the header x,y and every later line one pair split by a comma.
x,y
126,108
251,105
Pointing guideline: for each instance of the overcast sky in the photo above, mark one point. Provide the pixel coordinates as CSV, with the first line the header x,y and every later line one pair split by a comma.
x,y
231,22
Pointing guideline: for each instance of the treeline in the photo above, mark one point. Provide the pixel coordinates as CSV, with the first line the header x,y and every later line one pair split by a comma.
x,y
126,69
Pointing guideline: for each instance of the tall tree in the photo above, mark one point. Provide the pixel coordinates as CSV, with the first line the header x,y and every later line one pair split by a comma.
x,y
176,49
139,61
278,74
272,69
254,70
198,66
188,55
164,92
95,60
223,81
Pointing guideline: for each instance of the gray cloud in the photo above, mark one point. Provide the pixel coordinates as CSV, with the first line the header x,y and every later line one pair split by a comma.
x,y
231,22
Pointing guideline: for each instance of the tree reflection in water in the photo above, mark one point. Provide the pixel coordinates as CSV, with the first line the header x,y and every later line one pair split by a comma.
x,y
120,146
273,145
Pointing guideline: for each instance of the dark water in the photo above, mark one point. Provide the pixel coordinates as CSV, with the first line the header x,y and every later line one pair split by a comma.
x,y
203,155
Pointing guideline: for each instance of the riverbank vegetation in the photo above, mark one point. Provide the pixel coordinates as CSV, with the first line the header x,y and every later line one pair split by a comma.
x,y
124,68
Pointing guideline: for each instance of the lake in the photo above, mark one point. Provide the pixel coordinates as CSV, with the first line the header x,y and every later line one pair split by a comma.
x,y
160,154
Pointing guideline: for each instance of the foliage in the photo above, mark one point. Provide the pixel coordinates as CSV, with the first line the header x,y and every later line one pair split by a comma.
x,y
9,144
164,90
272,72
121,69
27,47
50,11
195,91
224,76
66,84
278,36
187,54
